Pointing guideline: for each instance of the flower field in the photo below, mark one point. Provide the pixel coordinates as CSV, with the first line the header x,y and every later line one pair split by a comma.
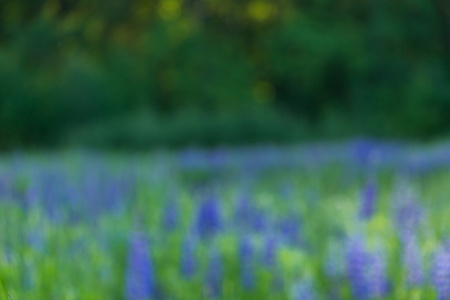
x,y
356,220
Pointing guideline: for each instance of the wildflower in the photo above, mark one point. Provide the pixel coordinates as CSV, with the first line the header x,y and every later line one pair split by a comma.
x,y
377,278
304,290
259,221
441,272
208,218
412,260
246,262
408,212
357,261
243,211
187,261
139,278
363,151
290,230
214,276
170,216
270,250
368,201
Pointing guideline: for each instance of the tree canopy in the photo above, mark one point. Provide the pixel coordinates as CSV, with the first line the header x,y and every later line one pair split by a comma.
x,y
331,68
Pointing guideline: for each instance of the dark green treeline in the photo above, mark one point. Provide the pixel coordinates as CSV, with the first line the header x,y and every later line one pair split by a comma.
x,y
139,73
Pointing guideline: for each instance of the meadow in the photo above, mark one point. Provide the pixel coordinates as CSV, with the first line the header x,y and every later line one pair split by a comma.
x,y
354,220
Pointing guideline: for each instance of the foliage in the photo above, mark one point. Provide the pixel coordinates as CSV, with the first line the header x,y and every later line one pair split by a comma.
x,y
140,131
340,69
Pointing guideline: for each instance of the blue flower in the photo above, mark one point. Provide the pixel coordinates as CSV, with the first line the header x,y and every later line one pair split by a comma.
x,y
187,259
441,272
412,260
214,275
259,220
409,214
140,279
246,262
290,230
243,211
270,250
377,278
366,271
363,150
357,262
209,218
170,216
368,201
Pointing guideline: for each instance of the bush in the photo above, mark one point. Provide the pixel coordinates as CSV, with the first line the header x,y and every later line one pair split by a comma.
x,y
143,130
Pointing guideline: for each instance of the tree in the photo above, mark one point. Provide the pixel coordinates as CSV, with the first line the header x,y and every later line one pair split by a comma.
x,y
443,10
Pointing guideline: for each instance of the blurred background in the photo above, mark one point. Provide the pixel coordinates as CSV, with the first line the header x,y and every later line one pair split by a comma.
x,y
136,74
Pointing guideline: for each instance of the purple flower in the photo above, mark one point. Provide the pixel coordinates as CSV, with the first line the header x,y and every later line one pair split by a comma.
x,y
366,271
357,262
246,262
441,272
290,230
412,260
209,218
31,195
214,275
270,250
140,279
3,188
249,217
170,216
409,215
243,211
377,278
368,201
259,220
363,150
187,260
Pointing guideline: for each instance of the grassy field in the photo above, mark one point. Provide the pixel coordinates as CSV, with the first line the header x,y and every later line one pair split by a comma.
x,y
358,220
